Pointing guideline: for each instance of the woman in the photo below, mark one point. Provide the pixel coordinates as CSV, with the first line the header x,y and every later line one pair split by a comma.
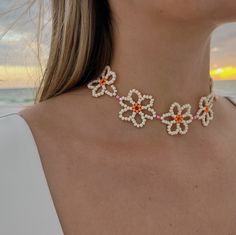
x,y
161,160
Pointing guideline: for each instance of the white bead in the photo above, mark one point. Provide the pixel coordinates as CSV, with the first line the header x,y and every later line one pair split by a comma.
x,y
184,110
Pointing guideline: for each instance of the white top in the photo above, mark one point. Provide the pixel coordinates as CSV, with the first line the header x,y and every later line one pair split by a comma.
x,y
26,205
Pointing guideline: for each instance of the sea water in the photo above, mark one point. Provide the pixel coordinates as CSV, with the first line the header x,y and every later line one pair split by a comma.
x,y
19,96
12,100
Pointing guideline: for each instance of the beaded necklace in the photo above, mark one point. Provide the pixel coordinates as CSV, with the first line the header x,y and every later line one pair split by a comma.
x,y
138,108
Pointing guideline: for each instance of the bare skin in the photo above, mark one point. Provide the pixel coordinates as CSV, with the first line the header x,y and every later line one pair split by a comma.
x,y
107,177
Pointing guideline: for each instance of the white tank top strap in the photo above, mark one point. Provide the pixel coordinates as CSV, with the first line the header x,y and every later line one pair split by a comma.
x,y
232,99
26,205
229,96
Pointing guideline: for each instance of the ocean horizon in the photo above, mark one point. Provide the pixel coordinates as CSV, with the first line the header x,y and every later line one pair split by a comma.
x,y
14,99
17,96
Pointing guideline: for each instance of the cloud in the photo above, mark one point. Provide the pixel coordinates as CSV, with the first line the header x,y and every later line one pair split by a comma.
x,y
224,39
18,33
224,33
18,46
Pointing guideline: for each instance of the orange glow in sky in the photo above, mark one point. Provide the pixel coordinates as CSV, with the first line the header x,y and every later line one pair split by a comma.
x,y
224,73
20,76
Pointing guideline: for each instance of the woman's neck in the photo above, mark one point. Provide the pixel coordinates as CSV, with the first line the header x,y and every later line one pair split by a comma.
x,y
167,59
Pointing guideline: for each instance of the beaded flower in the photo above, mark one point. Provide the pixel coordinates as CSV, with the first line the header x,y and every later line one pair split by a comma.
x,y
177,119
104,84
205,112
137,108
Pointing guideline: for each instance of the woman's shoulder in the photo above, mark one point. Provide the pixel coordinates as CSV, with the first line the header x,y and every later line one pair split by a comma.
x,y
74,111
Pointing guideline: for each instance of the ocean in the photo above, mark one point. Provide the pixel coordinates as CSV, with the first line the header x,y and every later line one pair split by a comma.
x,y
19,96
12,100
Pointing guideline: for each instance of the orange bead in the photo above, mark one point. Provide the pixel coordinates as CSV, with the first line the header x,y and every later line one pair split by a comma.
x,y
179,118
102,81
137,108
206,109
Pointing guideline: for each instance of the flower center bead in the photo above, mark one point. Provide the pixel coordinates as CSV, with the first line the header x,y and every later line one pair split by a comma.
x,y
206,109
179,118
137,108
102,81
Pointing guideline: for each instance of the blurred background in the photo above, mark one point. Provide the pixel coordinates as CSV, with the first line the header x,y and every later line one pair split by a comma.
x,y
22,62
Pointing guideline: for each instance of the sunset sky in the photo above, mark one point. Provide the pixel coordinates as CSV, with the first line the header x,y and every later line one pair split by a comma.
x,y
18,50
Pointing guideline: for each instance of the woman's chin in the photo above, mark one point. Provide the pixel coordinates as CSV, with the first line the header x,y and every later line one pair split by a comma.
x,y
208,10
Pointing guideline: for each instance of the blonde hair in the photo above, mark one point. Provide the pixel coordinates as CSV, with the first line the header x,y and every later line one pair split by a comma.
x,y
81,45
